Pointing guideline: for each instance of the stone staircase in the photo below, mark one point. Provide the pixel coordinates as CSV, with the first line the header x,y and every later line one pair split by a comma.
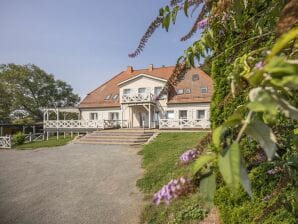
x,y
117,137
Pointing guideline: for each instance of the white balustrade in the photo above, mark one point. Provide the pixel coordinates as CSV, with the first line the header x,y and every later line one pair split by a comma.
x,y
137,98
183,123
74,124
5,142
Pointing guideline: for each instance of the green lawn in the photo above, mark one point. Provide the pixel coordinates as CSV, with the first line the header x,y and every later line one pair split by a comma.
x,y
52,142
160,160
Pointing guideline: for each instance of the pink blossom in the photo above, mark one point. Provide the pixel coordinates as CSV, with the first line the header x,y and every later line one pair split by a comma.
x,y
259,65
202,23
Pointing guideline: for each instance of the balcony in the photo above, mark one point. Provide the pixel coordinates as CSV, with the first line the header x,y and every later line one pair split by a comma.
x,y
138,98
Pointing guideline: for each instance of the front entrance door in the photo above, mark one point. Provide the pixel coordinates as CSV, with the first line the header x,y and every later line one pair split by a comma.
x,y
143,119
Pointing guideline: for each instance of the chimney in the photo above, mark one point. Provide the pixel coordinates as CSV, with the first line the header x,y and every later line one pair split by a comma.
x,y
129,69
150,68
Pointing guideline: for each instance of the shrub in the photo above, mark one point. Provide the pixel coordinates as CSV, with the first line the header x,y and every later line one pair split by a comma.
x,y
18,138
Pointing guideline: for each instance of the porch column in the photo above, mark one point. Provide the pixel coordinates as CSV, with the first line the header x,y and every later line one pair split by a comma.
x,y
149,115
121,125
57,111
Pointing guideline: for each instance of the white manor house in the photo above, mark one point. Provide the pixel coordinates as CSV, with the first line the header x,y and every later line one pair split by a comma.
x,y
132,99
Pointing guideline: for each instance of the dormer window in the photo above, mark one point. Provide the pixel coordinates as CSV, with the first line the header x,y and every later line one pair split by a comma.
x,y
204,90
115,97
195,77
187,91
180,91
126,91
108,97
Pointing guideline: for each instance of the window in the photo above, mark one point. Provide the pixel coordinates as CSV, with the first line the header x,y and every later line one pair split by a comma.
x,y
141,90
93,116
115,97
170,114
180,91
114,116
108,97
126,91
195,77
182,114
200,114
157,91
187,91
204,90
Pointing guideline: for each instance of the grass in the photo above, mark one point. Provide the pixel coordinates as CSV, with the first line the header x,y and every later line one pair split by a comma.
x,y
160,163
52,142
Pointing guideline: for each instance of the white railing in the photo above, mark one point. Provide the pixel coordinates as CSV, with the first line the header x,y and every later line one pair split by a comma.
x,y
183,123
74,124
137,98
34,137
5,142
115,124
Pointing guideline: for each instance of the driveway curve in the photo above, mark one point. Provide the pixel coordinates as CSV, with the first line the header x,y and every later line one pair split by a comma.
x,y
72,184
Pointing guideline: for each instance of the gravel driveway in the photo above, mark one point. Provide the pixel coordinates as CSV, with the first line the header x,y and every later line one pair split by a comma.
x,y
70,184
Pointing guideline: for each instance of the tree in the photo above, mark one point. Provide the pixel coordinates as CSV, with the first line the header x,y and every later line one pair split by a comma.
x,y
28,88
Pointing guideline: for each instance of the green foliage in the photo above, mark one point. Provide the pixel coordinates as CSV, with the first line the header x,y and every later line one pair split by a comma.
x,y
52,142
267,205
254,104
160,161
18,138
27,88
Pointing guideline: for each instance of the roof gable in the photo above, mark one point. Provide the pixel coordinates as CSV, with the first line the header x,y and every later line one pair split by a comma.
x,y
140,76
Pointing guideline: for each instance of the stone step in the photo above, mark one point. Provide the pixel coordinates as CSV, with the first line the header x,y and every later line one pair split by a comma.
x,y
121,134
116,137
108,143
113,140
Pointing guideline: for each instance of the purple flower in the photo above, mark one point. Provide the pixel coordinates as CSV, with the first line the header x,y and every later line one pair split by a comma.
x,y
173,189
259,65
189,155
202,23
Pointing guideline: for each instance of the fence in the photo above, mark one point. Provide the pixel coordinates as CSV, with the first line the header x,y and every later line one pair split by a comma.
x,y
5,142
183,124
74,124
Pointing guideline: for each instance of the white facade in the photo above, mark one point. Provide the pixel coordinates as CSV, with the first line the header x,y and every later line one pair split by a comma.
x,y
140,106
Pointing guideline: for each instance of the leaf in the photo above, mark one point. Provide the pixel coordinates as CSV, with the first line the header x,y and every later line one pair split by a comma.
x,y
208,187
287,108
216,136
229,166
278,67
174,14
236,117
166,22
245,182
283,41
161,12
186,8
201,161
288,81
264,135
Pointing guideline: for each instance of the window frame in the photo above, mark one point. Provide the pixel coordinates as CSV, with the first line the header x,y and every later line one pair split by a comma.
x,y
204,88
204,114
182,91
171,112
187,91
195,77
183,118
92,117
127,89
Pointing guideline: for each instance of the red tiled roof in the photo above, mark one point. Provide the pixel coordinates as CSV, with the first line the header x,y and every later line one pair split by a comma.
x,y
96,98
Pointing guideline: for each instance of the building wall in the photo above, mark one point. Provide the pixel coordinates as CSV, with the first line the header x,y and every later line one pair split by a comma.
x,y
191,110
143,82
103,113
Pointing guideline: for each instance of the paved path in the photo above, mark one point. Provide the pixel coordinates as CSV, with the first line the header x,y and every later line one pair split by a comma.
x,y
73,184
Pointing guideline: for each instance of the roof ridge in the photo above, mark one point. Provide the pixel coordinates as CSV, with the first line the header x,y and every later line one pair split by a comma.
x,y
106,82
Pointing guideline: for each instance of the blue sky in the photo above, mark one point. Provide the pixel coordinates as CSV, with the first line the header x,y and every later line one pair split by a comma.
x,y
85,42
